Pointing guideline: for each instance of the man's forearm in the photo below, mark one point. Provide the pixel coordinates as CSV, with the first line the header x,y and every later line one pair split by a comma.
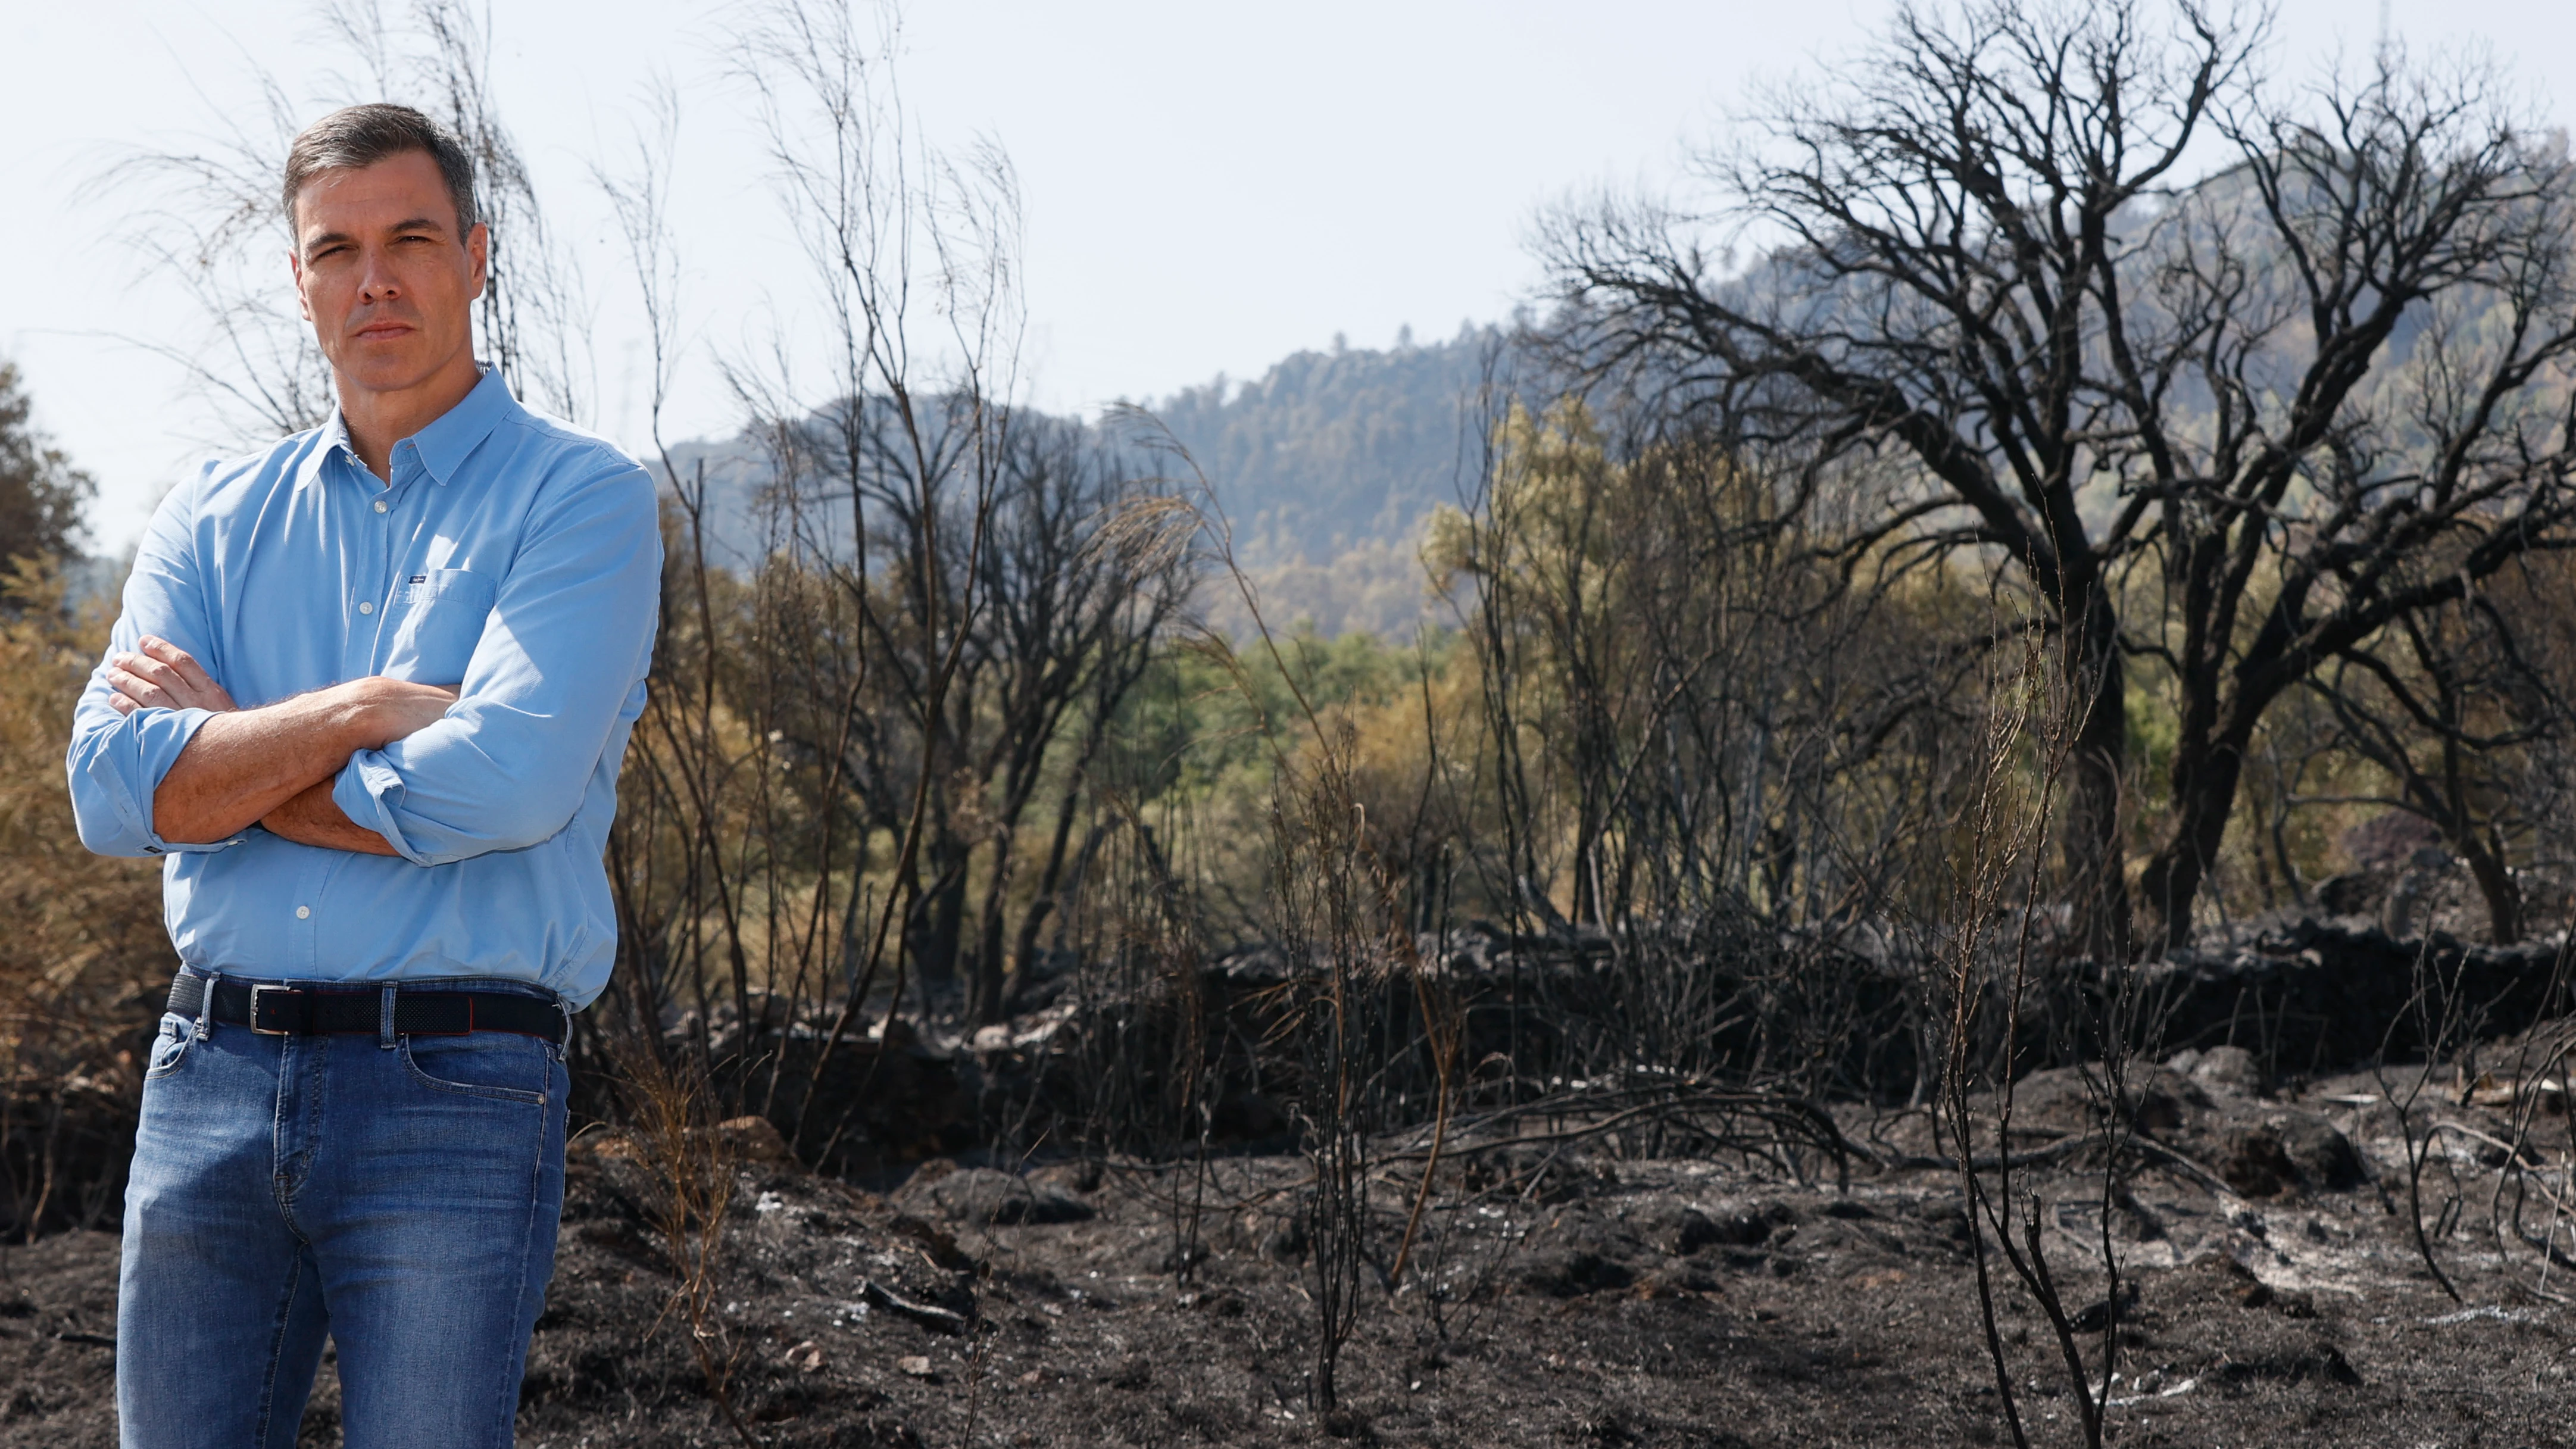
x,y
312,817
244,764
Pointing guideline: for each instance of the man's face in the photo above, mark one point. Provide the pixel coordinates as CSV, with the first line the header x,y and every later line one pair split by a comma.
x,y
382,275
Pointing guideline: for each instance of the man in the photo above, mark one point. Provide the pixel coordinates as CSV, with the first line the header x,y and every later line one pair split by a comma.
x,y
368,697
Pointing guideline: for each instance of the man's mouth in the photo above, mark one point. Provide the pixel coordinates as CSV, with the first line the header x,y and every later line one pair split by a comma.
x,y
382,331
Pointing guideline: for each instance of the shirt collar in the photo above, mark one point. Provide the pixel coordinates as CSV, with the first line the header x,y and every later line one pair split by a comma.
x,y
452,436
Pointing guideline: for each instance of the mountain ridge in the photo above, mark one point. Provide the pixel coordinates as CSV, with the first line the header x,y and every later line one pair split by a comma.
x,y
1324,467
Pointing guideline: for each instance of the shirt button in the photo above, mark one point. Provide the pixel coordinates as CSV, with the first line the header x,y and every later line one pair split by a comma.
x,y
364,607
380,505
303,913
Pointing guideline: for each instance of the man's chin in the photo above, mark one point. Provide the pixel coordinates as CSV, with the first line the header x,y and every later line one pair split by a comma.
x,y
384,373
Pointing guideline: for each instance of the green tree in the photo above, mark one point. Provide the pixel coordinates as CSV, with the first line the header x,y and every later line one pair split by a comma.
x,y
41,493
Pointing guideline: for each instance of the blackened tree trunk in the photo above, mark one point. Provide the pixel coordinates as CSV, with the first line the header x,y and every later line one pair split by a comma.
x,y
2094,844
2205,778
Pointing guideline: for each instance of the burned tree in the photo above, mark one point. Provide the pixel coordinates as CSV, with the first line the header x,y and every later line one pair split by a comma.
x,y
2226,430
964,597
1076,602
2448,706
887,481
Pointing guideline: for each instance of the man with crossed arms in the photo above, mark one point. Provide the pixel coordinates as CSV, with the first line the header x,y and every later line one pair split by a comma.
x,y
367,699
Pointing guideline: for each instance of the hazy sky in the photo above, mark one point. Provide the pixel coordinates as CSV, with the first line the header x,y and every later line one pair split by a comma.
x,y
1208,186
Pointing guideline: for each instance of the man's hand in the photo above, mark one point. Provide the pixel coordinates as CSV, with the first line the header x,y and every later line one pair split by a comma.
x,y
163,676
392,709
273,765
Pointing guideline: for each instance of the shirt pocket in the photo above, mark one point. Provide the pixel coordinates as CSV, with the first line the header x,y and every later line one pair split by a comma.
x,y
437,619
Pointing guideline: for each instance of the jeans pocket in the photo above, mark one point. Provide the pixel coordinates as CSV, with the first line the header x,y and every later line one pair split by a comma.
x,y
498,1066
170,1047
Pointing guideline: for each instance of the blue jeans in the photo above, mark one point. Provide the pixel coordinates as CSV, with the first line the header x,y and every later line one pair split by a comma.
x,y
398,1194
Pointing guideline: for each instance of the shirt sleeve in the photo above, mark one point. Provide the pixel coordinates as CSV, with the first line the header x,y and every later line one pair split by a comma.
x,y
570,633
117,760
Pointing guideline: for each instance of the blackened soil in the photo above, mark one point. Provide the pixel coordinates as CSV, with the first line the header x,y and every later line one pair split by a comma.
x,y
1550,1300
58,1341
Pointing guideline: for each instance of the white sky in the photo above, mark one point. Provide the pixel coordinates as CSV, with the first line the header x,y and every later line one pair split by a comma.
x,y
1208,186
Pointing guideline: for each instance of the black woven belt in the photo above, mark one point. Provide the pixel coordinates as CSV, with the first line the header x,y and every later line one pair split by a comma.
x,y
306,1011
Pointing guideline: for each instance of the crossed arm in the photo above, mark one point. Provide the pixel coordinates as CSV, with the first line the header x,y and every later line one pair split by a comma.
x,y
273,766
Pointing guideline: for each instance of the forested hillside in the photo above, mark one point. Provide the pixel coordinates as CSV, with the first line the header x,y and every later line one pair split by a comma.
x,y
1324,467
1332,450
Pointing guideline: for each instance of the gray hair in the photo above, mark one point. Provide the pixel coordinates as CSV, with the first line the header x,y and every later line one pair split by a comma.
x,y
356,136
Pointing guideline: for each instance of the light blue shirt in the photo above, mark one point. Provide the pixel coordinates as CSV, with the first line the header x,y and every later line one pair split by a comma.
x,y
512,556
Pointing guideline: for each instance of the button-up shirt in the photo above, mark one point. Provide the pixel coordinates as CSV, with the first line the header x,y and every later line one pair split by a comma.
x,y
511,556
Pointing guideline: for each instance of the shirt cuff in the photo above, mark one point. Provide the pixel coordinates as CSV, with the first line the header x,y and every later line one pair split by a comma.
x,y
370,791
160,737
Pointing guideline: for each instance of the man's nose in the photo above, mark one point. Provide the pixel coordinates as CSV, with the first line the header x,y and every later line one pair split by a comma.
x,y
377,283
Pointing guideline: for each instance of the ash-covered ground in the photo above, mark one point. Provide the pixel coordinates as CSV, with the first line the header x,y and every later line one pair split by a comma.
x,y
2279,1296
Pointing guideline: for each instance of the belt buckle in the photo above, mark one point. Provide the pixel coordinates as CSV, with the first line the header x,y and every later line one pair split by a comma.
x,y
255,1027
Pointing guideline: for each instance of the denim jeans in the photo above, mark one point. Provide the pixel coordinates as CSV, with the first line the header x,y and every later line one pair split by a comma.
x,y
397,1194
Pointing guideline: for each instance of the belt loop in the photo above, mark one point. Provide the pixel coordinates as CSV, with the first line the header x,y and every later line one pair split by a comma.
x,y
206,1005
385,1019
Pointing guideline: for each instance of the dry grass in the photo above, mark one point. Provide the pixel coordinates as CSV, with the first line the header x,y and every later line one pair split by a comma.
x,y
83,958
689,1192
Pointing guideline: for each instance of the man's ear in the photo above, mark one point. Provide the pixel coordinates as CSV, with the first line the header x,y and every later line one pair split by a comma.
x,y
295,269
478,250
